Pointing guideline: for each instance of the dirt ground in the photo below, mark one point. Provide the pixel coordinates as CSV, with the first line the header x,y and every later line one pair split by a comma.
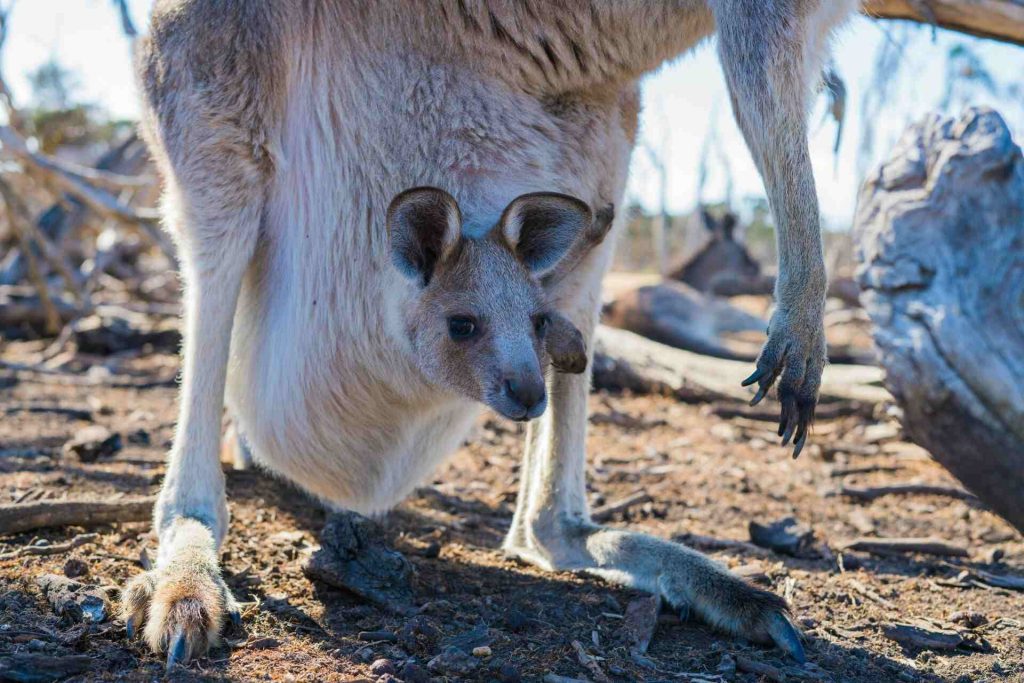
x,y
707,477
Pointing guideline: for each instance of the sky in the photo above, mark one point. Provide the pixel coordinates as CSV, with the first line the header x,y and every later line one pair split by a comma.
x,y
684,102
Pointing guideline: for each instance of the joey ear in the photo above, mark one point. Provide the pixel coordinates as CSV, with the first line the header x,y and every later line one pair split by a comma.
x,y
541,227
424,224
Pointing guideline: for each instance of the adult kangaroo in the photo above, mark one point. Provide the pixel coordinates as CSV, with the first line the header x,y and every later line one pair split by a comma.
x,y
284,128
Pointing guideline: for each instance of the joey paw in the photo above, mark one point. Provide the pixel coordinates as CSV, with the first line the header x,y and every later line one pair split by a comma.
x,y
795,354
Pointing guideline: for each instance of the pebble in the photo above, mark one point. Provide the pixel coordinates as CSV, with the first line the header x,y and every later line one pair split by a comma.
x,y
482,651
383,666
506,673
726,666
968,618
414,673
453,661
75,568
91,443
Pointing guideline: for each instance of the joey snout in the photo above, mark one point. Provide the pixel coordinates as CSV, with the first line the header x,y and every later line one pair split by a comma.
x,y
522,395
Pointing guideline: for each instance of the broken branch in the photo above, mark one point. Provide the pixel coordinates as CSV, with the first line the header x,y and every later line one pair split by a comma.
x,y
871,493
55,549
15,519
888,546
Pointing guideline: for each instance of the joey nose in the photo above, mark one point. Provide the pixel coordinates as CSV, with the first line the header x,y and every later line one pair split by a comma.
x,y
527,391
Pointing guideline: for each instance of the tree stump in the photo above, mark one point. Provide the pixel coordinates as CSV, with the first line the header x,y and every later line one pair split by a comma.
x,y
941,244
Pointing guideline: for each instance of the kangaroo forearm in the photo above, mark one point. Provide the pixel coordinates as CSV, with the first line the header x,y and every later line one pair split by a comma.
x,y
794,202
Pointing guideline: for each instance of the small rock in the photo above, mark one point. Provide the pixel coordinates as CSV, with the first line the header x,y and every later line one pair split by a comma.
x,y
996,556
74,568
784,536
641,619
482,651
263,644
383,666
504,672
36,644
453,661
808,622
414,673
139,437
419,634
294,538
479,636
353,556
73,601
517,620
726,666
91,443
432,551
922,634
968,618
388,678
877,433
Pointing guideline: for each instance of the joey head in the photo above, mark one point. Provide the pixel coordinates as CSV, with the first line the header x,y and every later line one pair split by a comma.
x,y
479,322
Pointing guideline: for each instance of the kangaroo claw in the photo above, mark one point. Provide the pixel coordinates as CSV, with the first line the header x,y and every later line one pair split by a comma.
x,y
786,637
178,650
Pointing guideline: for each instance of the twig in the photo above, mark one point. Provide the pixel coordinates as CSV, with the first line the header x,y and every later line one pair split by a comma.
x,y
888,546
828,411
589,662
869,494
36,373
864,469
72,413
869,594
712,543
1007,581
127,25
55,549
750,666
606,512
15,519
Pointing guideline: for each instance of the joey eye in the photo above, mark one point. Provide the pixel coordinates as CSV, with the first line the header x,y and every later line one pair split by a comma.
x,y
540,323
461,327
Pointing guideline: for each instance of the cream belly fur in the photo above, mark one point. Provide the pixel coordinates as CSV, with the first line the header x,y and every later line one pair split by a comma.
x,y
321,383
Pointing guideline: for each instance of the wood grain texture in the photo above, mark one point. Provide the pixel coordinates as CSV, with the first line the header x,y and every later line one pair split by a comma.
x,y
941,243
1001,20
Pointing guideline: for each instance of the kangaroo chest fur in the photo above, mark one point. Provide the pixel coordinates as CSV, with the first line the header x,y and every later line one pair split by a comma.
x,y
321,378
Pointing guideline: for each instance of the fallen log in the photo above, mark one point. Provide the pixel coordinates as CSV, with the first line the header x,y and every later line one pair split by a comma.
x,y
626,361
996,19
874,492
940,228
16,519
675,314
889,546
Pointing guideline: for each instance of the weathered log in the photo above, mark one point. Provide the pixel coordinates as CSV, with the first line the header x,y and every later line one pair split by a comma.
x,y
997,19
941,245
925,546
673,313
15,519
626,361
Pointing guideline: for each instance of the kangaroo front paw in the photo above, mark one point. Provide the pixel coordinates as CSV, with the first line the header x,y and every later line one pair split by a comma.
x,y
796,352
734,606
182,607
